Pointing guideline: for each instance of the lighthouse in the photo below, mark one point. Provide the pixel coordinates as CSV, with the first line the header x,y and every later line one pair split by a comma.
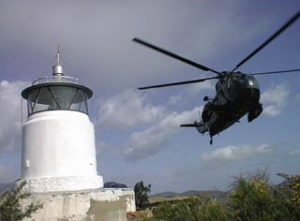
x,y
58,143
59,156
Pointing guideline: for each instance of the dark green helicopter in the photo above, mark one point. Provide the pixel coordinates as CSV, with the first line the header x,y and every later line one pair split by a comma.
x,y
237,94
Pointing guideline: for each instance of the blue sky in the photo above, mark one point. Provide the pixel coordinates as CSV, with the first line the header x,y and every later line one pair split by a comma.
x,y
137,132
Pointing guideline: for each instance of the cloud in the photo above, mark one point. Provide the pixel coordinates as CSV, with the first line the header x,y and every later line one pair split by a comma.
x,y
108,59
233,153
200,87
191,91
127,109
295,153
150,141
297,97
10,112
175,99
274,99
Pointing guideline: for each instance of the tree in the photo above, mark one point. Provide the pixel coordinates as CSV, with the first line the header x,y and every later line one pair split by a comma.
x,y
10,205
141,194
289,194
254,198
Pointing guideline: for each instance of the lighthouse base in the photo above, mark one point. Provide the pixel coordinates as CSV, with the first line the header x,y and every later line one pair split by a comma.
x,y
58,184
103,204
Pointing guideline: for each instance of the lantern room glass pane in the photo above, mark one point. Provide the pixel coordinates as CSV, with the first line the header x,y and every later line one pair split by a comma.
x,y
44,101
31,100
54,97
79,103
63,96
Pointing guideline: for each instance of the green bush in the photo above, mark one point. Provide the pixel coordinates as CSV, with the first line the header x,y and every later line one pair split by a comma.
x,y
289,194
252,198
195,208
10,207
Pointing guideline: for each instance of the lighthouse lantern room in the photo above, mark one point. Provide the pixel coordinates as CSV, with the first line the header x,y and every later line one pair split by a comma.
x,y
58,149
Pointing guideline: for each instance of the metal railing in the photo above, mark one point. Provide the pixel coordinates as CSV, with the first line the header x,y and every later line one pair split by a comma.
x,y
56,79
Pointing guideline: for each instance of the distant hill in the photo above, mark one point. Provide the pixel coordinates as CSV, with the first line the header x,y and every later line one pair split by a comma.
x,y
166,194
191,193
213,193
216,194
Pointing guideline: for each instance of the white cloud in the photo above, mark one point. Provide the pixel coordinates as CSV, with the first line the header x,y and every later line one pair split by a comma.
x,y
232,153
128,109
150,141
274,99
297,97
295,153
200,87
107,56
175,99
10,112
192,90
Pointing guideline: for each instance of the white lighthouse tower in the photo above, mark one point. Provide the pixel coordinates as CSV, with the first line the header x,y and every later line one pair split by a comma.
x,y
59,157
58,138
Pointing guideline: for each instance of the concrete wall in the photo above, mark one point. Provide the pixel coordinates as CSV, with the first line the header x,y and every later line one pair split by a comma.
x,y
100,205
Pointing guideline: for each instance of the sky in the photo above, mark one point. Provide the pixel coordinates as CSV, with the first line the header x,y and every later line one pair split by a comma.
x,y
137,132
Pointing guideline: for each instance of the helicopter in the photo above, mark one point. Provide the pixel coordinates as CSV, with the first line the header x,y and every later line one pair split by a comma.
x,y
237,93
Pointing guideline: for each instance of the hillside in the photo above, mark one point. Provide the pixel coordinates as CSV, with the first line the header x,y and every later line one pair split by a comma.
x,y
221,195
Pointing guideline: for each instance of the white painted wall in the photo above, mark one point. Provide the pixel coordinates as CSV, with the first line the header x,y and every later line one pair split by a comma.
x,y
59,148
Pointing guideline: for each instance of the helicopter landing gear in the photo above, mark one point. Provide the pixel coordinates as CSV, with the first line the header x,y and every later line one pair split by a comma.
x,y
203,127
211,140
211,137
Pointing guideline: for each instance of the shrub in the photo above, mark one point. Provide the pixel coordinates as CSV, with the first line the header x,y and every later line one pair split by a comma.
x,y
252,198
141,194
10,207
195,208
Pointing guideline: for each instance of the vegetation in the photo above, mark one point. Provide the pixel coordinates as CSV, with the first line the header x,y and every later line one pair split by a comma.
x,y
192,209
141,195
10,205
251,199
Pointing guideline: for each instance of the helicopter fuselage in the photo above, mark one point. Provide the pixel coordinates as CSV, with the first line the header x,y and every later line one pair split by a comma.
x,y
237,94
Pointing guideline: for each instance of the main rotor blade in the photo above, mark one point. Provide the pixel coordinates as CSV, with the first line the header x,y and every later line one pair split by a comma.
x,y
178,83
276,72
171,54
278,32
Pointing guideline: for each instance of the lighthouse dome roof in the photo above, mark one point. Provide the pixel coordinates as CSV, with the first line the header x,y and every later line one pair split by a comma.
x,y
57,80
57,92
